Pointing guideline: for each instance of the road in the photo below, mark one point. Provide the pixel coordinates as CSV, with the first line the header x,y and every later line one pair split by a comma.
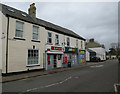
x,y
95,78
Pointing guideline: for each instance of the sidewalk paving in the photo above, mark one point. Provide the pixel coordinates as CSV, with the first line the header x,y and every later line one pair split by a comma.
x,y
44,72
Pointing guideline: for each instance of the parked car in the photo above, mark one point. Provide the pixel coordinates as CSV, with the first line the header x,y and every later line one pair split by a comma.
x,y
95,59
119,59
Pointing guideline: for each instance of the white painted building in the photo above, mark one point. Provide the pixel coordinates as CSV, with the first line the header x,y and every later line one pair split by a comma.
x,y
100,52
30,43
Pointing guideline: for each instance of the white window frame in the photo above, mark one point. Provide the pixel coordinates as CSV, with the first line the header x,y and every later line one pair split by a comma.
x,y
49,37
81,44
37,34
77,43
56,39
38,58
67,41
22,30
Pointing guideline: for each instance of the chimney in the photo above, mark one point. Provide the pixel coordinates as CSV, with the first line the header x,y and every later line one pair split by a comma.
x,y
91,40
32,10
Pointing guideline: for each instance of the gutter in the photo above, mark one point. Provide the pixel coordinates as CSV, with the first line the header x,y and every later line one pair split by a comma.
x,y
7,46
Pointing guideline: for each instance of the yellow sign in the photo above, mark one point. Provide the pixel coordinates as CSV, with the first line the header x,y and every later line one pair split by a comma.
x,y
73,49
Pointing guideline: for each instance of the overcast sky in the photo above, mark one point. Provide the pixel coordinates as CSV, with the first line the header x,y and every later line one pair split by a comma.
x,y
96,20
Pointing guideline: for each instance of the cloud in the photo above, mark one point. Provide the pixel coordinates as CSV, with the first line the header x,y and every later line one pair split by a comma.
x,y
88,19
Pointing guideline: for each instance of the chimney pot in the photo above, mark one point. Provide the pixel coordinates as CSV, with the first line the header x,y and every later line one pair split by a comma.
x,y
32,10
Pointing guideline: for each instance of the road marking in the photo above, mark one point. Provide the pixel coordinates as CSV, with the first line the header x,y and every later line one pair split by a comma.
x,y
115,87
29,90
97,66
76,77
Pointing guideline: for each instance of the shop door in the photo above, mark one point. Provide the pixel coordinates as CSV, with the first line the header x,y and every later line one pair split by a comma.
x,y
75,59
59,61
50,61
55,60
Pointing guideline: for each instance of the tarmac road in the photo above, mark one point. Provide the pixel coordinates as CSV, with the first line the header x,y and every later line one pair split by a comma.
x,y
95,78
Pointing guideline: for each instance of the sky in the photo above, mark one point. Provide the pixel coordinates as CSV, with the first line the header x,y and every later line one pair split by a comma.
x,y
98,20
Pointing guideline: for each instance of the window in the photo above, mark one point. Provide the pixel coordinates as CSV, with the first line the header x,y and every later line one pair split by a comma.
x,y
33,57
68,41
24,15
11,10
35,33
56,39
81,44
76,43
19,29
49,37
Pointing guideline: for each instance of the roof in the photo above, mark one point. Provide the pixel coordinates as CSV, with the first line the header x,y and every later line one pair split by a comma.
x,y
89,50
92,45
14,13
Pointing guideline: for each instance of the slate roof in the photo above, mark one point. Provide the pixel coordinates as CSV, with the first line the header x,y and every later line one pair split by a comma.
x,y
89,50
19,15
92,45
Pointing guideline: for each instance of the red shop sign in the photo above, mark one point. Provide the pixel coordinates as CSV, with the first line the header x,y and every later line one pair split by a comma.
x,y
56,48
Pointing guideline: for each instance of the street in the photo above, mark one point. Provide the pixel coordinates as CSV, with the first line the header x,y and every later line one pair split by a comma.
x,y
95,78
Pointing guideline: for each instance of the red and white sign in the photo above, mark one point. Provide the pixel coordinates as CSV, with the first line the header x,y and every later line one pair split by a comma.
x,y
48,59
64,58
54,48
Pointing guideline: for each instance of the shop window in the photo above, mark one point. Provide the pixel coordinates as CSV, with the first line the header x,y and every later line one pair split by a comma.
x,y
35,33
56,39
33,57
68,41
59,57
19,29
49,40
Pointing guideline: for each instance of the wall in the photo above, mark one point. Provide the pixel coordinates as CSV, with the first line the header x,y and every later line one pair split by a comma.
x,y
0,49
87,56
79,44
4,35
18,49
63,38
0,39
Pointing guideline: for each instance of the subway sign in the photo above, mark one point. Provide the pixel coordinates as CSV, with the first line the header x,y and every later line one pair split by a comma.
x,y
69,49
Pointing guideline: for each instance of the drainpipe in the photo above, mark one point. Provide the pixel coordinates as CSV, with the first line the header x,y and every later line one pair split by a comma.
x,y
7,46
46,60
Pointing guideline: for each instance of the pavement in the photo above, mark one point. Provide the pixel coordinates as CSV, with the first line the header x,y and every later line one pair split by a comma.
x,y
20,76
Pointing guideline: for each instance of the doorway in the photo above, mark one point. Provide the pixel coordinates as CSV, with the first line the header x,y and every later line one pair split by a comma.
x,y
55,60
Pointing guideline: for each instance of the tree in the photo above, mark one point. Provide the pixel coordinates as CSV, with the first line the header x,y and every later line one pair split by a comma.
x,y
113,51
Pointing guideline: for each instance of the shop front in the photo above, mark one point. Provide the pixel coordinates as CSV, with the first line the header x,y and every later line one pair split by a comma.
x,y
82,56
72,55
54,56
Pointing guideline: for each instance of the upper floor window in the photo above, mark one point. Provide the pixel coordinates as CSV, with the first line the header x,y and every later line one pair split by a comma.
x,y
56,39
19,29
81,44
35,33
68,41
49,39
76,43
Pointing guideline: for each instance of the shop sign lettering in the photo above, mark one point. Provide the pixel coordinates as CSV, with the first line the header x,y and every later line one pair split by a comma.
x,y
56,48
